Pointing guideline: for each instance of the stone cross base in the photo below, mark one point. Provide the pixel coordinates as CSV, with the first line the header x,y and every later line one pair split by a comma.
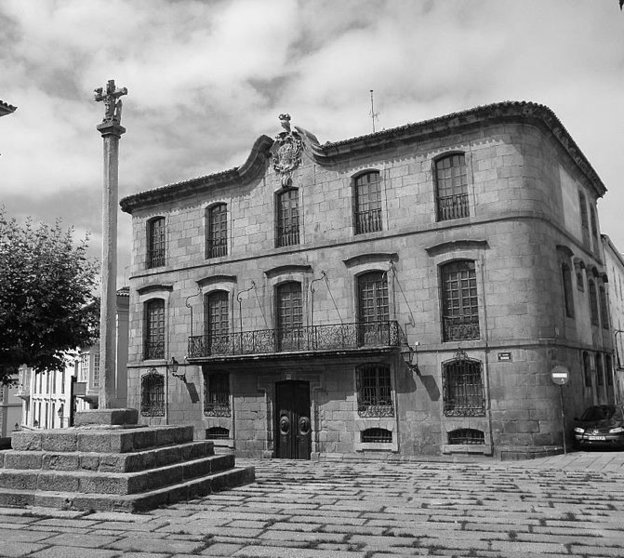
x,y
107,417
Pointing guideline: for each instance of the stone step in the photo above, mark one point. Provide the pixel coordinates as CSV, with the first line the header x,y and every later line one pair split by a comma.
x,y
90,482
106,462
101,439
185,490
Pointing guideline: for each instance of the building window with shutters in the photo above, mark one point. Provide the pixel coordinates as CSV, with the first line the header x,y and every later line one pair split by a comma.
x,y
154,329
462,385
289,316
584,218
287,233
217,323
460,305
216,231
451,177
216,394
367,202
156,242
374,391
604,310
153,394
373,313
586,369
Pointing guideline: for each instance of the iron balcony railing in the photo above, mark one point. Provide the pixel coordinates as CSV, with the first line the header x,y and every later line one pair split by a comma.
x,y
460,328
368,221
331,337
453,207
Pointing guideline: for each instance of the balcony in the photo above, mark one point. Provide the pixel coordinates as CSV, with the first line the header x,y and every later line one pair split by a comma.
x,y
461,328
305,339
453,207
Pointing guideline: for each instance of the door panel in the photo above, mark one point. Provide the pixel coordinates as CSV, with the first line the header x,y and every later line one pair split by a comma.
x,y
294,427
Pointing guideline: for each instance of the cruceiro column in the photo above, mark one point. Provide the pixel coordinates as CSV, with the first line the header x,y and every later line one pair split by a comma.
x,y
111,130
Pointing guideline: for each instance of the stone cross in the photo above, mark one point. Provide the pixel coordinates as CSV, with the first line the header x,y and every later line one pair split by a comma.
x,y
112,102
112,394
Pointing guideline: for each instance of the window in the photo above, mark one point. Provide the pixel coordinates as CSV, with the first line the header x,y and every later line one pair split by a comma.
x,y
452,187
460,306
584,218
586,369
462,385
593,303
367,203
599,370
217,433
153,395
580,283
96,369
594,226
374,391
216,394
376,436
466,436
217,323
289,314
609,370
84,367
154,329
604,311
156,242
566,277
373,308
288,218
216,231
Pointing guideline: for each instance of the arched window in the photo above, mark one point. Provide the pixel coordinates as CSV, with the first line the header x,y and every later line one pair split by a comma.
x,y
462,385
452,187
287,233
154,329
460,304
156,242
376,436
374,391
566,278
216,323
593,303
289,316
217,433
216,231
367,202
153,395
373,308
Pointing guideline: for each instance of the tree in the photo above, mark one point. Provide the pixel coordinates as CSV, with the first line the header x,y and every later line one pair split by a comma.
x,y
47,302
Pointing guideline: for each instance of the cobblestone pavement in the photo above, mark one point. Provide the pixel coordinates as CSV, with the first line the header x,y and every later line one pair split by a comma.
x,y
561,506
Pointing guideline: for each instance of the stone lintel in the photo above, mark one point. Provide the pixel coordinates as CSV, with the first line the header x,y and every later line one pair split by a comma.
x,y
109,417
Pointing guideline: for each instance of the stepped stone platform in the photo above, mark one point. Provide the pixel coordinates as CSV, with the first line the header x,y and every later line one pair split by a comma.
x,y
115,466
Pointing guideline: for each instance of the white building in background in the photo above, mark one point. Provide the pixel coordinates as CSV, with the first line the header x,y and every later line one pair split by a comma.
x,y
614,264
10,411
50,398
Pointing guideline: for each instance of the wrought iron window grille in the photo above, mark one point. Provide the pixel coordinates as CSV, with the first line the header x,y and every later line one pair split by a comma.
x,y
462,386
153,394
376,436
468,436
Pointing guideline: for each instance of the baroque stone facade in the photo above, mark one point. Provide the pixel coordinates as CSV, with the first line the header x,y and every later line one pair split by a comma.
x,y
406,292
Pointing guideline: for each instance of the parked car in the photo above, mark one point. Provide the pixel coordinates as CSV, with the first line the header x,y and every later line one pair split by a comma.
x,y
600,426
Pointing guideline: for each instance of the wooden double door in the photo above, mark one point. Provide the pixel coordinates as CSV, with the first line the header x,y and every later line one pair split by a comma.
x,y
293,424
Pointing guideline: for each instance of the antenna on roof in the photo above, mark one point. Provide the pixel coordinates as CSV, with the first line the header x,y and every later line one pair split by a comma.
x,y
374,115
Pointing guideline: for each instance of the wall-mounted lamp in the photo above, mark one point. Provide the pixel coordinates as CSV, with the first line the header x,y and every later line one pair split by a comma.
x,y
173,368
410,357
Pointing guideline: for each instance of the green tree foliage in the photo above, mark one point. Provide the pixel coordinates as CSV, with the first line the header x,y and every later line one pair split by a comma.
x,y
47,303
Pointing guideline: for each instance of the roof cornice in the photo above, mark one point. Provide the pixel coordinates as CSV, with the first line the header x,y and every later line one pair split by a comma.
x,y
330,152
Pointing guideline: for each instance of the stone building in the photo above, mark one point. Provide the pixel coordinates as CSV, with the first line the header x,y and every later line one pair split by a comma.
x,y
403,293
10,411
614,264
52,397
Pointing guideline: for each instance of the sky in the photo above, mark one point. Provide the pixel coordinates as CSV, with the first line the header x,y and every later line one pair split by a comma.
x,y
206,78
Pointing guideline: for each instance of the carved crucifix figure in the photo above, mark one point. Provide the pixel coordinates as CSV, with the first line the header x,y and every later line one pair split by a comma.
x,y
112,102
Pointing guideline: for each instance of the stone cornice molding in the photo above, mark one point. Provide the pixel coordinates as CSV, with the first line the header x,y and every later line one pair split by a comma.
x,y
289,268
154,288
377,257
326,154
214,279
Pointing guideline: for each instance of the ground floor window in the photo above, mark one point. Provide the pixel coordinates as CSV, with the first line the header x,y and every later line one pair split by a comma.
x,y
217,433
216,394
466,436
462,384
153,395
374,391
376,436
